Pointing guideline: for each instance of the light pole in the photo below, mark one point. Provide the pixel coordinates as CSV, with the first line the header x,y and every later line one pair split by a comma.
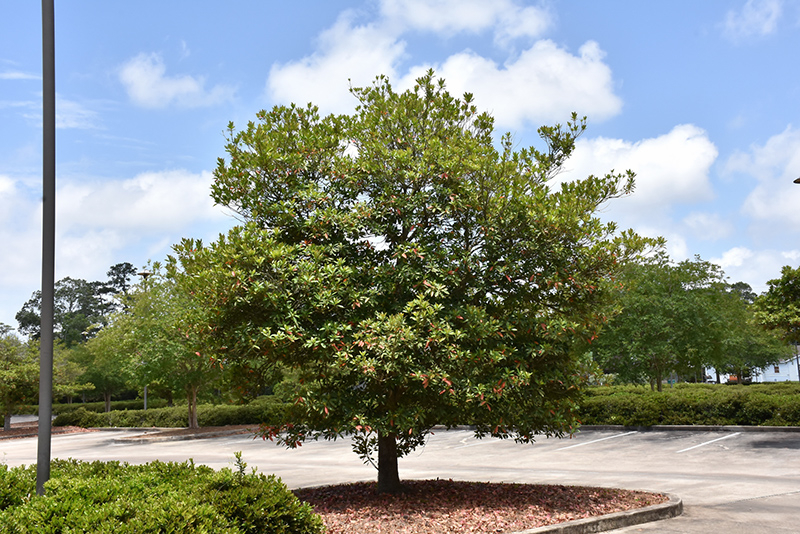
x,y
48,244
144,273
796,345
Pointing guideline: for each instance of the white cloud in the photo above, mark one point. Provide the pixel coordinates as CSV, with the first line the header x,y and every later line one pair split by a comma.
x,y
708,226
20,233
147,84
506,18
345,51
152,202
774,166
17,75
69,113
670,169
755,18
755,267
543,83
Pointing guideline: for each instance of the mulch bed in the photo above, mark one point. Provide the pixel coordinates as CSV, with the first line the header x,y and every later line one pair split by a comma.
x,y
445,506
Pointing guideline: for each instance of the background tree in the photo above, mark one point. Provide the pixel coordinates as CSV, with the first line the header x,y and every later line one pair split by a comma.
x,y
105,363
19,374
682,318
666,323
779,308
67,373
81,308
163,346
406,270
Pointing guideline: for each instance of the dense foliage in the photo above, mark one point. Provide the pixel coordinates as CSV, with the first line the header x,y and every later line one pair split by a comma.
x,y
693,404
676,319
266,410
407,270
152,498
779,307
19,374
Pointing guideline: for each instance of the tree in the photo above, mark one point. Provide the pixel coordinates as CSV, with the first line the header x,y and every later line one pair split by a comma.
x,y
104,359
681,318
779,308
160,345
661,321
19,374
81,308
746,346
67,373
407,271
119,278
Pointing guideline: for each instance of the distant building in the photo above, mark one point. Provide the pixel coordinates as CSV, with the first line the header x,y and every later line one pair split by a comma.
x,y
788,370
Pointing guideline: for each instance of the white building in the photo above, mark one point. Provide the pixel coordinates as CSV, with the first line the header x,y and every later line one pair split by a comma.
x,y
788,370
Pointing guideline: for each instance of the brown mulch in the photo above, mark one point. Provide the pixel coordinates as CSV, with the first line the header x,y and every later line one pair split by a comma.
x,y
439,506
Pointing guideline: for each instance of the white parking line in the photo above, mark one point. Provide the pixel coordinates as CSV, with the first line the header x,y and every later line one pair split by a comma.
x,y
709,442
596,440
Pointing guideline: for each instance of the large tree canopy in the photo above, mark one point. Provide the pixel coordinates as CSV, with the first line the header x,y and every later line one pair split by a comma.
x,y
81,308
407,270
680,318
779,307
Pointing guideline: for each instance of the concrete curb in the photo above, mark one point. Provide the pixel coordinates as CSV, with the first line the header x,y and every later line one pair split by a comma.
x,y
695,428
657,512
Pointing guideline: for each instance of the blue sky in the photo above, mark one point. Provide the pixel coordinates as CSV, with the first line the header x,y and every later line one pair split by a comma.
x,y
700,99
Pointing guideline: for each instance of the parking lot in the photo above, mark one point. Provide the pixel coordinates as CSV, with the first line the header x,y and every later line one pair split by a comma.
x,y
730,481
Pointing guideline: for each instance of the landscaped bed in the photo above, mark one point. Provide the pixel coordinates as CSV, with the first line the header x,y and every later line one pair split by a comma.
x,y
442,506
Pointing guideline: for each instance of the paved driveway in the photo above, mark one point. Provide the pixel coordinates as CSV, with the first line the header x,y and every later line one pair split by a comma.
x,y
729,481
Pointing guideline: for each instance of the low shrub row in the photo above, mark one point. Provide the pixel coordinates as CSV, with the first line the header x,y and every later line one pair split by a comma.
x,y
99,407
693,404
156,497
261,410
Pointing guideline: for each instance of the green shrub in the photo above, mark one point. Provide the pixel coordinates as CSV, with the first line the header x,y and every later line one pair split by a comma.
x,y
262,410
100,497
693,404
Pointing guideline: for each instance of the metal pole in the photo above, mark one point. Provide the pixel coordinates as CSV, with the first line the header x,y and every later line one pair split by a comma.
x,y
48,245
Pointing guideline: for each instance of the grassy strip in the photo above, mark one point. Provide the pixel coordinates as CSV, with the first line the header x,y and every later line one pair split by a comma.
x,y
775,404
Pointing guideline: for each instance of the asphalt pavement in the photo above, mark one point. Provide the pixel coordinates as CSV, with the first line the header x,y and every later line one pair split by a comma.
x,y
730,481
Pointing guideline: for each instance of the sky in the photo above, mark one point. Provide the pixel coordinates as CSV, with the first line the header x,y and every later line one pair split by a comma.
x,y
700,99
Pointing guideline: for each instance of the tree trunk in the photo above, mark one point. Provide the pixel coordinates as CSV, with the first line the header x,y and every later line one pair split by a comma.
x,y
7,421
107,398
192,401
388,475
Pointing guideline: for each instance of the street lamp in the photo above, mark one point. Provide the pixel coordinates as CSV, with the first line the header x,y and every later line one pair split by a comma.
x,y
144,273
797,346
48,245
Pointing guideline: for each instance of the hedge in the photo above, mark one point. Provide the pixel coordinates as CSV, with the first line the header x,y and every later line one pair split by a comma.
x,y
261,410
693,404
113,497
